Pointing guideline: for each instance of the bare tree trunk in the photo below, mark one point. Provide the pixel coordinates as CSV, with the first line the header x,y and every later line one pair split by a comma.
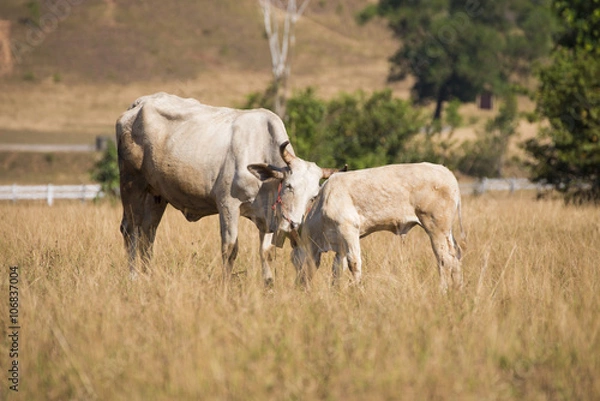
x,y
6,60
281,51
439,103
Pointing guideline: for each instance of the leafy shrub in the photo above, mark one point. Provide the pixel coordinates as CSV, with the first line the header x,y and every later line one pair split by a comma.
x,y
305,125
106,171
567,153
485,156
359,129
371,130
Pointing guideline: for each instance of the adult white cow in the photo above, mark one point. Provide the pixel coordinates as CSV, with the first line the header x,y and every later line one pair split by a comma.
x,y
207,160
393,198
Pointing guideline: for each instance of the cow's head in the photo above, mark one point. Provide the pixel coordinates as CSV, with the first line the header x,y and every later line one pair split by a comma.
x,y
299,184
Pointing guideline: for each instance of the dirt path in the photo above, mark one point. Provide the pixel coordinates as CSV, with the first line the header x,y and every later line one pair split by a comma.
x,y
18,147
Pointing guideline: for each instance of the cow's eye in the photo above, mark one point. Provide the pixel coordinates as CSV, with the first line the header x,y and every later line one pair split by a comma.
x,y
289,187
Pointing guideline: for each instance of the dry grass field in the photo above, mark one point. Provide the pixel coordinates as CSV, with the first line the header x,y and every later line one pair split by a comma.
x,y
526,326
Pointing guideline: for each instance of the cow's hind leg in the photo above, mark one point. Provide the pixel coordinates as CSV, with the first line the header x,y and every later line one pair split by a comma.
x,y
130,237
142,213
131,195
154,208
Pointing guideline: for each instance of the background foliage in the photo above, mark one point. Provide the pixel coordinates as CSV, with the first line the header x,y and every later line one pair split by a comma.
x,y
458,49
106,171
567,152
359,129
367,130
455,50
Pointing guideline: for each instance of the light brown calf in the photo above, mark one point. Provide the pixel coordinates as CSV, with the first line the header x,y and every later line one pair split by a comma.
x,y
394,198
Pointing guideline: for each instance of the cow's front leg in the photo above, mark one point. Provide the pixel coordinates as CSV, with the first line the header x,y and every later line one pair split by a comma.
x,y
229,219
266,255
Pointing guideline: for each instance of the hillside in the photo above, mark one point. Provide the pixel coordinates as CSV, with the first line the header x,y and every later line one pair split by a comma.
x,y
124,42
87,60
76,75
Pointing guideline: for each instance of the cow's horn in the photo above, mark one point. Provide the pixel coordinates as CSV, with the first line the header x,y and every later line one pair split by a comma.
x,y
285,154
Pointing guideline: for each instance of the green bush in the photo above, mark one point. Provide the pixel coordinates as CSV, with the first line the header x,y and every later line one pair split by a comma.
x,y
366,131
486,155
106,171
305,125
358,129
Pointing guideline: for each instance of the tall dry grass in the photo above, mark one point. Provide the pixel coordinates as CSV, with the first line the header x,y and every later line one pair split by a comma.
x,y
526,326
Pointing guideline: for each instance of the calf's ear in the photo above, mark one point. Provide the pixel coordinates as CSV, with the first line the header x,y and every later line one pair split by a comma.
x,y
266,172
327,172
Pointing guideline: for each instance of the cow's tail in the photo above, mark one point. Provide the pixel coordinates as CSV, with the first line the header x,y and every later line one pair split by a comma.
x,y
128,150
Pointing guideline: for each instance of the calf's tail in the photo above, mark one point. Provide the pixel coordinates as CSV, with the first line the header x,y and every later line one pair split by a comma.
x,y
463,237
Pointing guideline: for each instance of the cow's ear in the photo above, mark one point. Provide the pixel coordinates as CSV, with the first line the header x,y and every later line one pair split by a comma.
x,y
266,172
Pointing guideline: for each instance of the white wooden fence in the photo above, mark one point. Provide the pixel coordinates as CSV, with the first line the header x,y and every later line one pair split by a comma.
x,y
500,184
49,192
92,191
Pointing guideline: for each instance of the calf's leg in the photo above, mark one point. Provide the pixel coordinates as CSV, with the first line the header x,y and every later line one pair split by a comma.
x,y
448,259
353,256
306,259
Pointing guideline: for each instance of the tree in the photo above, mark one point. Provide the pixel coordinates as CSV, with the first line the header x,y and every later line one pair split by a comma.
x,y
458,49
281,45
567,153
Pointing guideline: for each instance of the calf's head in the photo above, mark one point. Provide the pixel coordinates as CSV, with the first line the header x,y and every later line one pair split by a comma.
x,y
299,184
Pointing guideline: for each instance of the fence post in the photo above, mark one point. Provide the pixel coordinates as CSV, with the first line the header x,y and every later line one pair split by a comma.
x,y
82,193
480,187
50,194
14,193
